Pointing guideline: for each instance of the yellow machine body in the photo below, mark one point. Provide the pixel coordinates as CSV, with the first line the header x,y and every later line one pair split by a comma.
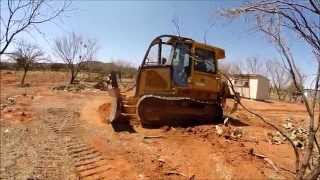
x,y
177,80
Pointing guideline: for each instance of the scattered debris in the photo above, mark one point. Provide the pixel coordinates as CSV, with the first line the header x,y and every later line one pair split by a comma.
x,y
71,87
219,130
11,100
288,124
298,135
276,138
8,109
102,85
237,133
229,132
3,106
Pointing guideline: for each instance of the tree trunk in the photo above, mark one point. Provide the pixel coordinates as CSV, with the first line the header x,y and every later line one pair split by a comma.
x,y
73,77
308,152
278,94
23,77
74,74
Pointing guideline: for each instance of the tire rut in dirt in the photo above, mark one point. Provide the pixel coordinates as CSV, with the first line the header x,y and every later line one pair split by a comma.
x,y
50,160
30,151
88,162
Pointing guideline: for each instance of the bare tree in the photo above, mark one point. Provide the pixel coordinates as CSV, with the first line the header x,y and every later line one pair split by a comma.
x,y
253,65
124,67
225,67
122,63
301,18
230,68
22,15
205,33
25,56
280,78
176,23
75,51
236,69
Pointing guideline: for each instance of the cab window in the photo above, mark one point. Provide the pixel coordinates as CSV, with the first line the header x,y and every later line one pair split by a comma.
x,y
152,58
166,54
204,61
181,64
165,57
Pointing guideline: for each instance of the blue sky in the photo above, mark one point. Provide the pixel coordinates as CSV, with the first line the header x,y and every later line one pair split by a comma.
x,y
124,29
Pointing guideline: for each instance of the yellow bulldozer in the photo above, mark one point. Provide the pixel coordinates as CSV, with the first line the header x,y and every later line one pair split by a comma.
x,y
177,81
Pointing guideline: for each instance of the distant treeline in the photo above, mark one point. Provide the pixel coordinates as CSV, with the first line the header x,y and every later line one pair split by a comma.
x,y
91,66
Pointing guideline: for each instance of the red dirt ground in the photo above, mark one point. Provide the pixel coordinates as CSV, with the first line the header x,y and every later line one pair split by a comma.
x,y
196,152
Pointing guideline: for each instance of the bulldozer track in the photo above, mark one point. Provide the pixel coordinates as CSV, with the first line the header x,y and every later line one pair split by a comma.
x,y
128,106
178,98
88,162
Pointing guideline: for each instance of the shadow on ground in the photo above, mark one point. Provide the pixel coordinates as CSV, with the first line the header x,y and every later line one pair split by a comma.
x,y
123,126
196,122
235,121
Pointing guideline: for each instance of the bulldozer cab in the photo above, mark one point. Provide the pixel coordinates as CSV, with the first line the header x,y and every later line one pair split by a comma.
x,y
175,65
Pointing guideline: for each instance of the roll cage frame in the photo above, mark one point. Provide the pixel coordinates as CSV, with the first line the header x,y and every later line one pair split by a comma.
x,y
172,39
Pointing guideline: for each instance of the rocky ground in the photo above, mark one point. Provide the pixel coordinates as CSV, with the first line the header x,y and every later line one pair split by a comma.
x,y
51,133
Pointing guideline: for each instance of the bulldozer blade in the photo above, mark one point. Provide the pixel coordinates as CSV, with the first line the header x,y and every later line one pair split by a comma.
x,y
234,107
115,110
237,100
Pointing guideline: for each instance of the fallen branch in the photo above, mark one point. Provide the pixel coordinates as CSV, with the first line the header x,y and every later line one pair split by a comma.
x,y
288,170
152,137
175,173
269,161
265,158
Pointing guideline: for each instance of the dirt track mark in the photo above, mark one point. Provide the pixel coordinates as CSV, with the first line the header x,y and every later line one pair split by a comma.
x,y
48,165
88,162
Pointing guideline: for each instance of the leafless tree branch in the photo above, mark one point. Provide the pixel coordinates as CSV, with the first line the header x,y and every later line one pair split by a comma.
x,y
175,22
75,51
22,15
25,56
278,75
298,16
